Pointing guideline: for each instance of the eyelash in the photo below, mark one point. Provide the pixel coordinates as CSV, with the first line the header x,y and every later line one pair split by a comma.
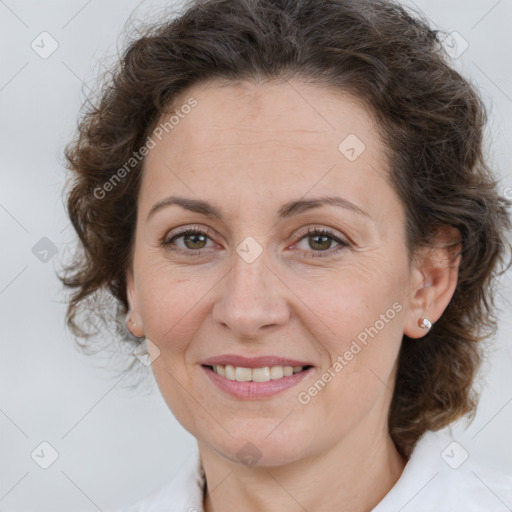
x,y
168,244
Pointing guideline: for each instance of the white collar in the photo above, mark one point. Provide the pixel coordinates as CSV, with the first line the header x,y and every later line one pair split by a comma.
x,y
430,481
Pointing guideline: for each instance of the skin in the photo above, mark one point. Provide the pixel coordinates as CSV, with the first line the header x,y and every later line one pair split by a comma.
x,y
248,148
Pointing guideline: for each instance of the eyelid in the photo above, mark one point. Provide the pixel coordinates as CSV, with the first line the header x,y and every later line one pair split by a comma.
x,y
167,243
184,229
340,239
309,230
329,231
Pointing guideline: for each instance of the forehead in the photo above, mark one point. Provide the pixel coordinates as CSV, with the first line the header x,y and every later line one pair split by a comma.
x,y
253,136
261,113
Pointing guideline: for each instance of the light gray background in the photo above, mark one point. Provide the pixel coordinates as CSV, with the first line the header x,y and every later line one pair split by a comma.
x,y
117,444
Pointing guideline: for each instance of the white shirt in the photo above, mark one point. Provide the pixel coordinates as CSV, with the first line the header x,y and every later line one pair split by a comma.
x,y
440,476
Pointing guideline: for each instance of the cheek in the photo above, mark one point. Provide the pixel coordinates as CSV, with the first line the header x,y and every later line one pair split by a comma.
x,y
356,297
171,304
172,308
359,320
358,379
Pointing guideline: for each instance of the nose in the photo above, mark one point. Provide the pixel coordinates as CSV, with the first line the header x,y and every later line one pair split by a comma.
x,y
252,298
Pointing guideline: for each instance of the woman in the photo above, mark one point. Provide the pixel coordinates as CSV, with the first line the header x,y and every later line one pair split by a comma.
x,y
289,202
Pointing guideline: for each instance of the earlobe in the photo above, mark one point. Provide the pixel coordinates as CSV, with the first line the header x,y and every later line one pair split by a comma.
x,y
434,280
425,323
133,317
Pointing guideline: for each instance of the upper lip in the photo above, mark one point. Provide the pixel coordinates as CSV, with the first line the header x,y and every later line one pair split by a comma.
x,y
252,362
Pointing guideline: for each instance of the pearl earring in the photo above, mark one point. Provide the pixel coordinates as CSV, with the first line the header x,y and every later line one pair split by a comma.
x,y
425,323
130,320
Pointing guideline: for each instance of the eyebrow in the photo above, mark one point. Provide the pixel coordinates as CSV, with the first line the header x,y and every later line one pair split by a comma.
x,y
287,210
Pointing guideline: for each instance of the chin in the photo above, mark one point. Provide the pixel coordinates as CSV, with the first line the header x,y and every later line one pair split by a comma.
x,y
258,448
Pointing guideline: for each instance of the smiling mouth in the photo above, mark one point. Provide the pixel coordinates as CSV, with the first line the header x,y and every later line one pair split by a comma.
x,y
263,374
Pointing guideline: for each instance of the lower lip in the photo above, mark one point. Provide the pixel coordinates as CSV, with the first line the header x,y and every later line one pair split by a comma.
x,y
255,390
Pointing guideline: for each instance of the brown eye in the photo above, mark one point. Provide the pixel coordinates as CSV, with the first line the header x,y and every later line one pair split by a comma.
x,y
193,241
320,241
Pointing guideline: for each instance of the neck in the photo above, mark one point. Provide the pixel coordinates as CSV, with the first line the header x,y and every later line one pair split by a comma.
x,y
353,474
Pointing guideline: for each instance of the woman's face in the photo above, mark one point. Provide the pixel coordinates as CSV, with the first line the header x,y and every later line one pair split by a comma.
x,y
250,281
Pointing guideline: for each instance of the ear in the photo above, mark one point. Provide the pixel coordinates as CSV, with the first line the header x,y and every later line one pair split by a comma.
x,y
133,317
434,276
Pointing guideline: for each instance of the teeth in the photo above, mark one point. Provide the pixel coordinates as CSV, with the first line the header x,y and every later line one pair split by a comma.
x,y
260,374
264,374
230,372
277,372
243,374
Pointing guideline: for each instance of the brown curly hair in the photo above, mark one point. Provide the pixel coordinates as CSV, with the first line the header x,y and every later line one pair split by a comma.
x,y
432,120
